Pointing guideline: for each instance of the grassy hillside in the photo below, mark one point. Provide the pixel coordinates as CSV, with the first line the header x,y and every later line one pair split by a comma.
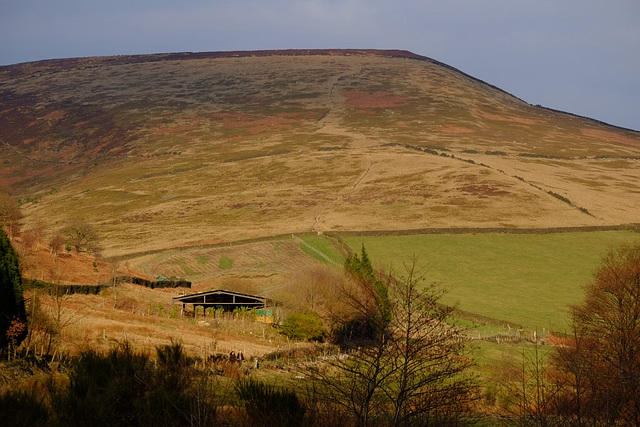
x,y
166,151
521,279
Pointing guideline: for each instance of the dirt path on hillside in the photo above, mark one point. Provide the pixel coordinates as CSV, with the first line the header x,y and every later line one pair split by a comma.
x,y
336,108
330,124
365,173
347,191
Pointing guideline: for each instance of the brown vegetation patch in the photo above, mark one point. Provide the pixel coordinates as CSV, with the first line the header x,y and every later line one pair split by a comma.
x,y
555,341
482,190
504,118
611,137
56,114
245,99
173,130
381,99
65,268
456,129
255,125
140,218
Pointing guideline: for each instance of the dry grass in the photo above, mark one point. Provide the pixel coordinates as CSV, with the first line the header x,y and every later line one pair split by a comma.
x,y
173,153
268,263
146,319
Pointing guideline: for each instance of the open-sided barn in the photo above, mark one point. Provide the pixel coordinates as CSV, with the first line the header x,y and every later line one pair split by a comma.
x,y
226,300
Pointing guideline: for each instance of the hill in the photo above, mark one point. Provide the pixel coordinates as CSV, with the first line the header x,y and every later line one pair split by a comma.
x,y
164,151
258,171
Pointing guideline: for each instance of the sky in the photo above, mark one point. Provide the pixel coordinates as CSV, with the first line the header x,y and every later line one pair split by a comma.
x,y
579,56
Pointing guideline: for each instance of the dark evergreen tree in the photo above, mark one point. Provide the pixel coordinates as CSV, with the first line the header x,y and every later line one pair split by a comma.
x,y
11,299
376,321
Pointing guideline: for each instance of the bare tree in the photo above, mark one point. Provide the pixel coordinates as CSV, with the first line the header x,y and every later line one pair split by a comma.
x,y
531,388
310,289
10,215
57,314
82,236
56,243
42,330
572,380
27,250
425,352
38,231
411,370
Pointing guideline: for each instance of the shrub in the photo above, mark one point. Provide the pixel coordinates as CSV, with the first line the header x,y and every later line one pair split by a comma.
x,y
267,405
303,326
104,389
124,387
22,408
245,313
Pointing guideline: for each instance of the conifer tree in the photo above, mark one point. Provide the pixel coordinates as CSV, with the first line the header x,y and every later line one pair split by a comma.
x,y
12,307
361,269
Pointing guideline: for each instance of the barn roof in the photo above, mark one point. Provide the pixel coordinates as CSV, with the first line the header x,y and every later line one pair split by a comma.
x,y
222,298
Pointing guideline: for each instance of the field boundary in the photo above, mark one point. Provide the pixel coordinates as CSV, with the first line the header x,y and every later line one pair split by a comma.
x,y
635,227
338,236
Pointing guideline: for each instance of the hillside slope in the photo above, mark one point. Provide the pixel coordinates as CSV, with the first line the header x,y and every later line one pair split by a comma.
x,y
161,151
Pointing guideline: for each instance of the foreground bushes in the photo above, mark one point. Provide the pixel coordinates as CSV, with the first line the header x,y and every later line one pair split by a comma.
x,y
23,408
125,387
267,405
121,388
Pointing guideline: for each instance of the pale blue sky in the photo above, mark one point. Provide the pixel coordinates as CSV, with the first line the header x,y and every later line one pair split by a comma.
x,y
580,56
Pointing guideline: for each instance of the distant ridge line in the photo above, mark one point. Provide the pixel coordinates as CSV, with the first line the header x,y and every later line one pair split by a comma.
x,y
56,65
47,66
600,122
70,63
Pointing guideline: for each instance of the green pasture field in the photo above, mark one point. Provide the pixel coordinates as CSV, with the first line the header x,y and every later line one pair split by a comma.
x,y
521,279
322,245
